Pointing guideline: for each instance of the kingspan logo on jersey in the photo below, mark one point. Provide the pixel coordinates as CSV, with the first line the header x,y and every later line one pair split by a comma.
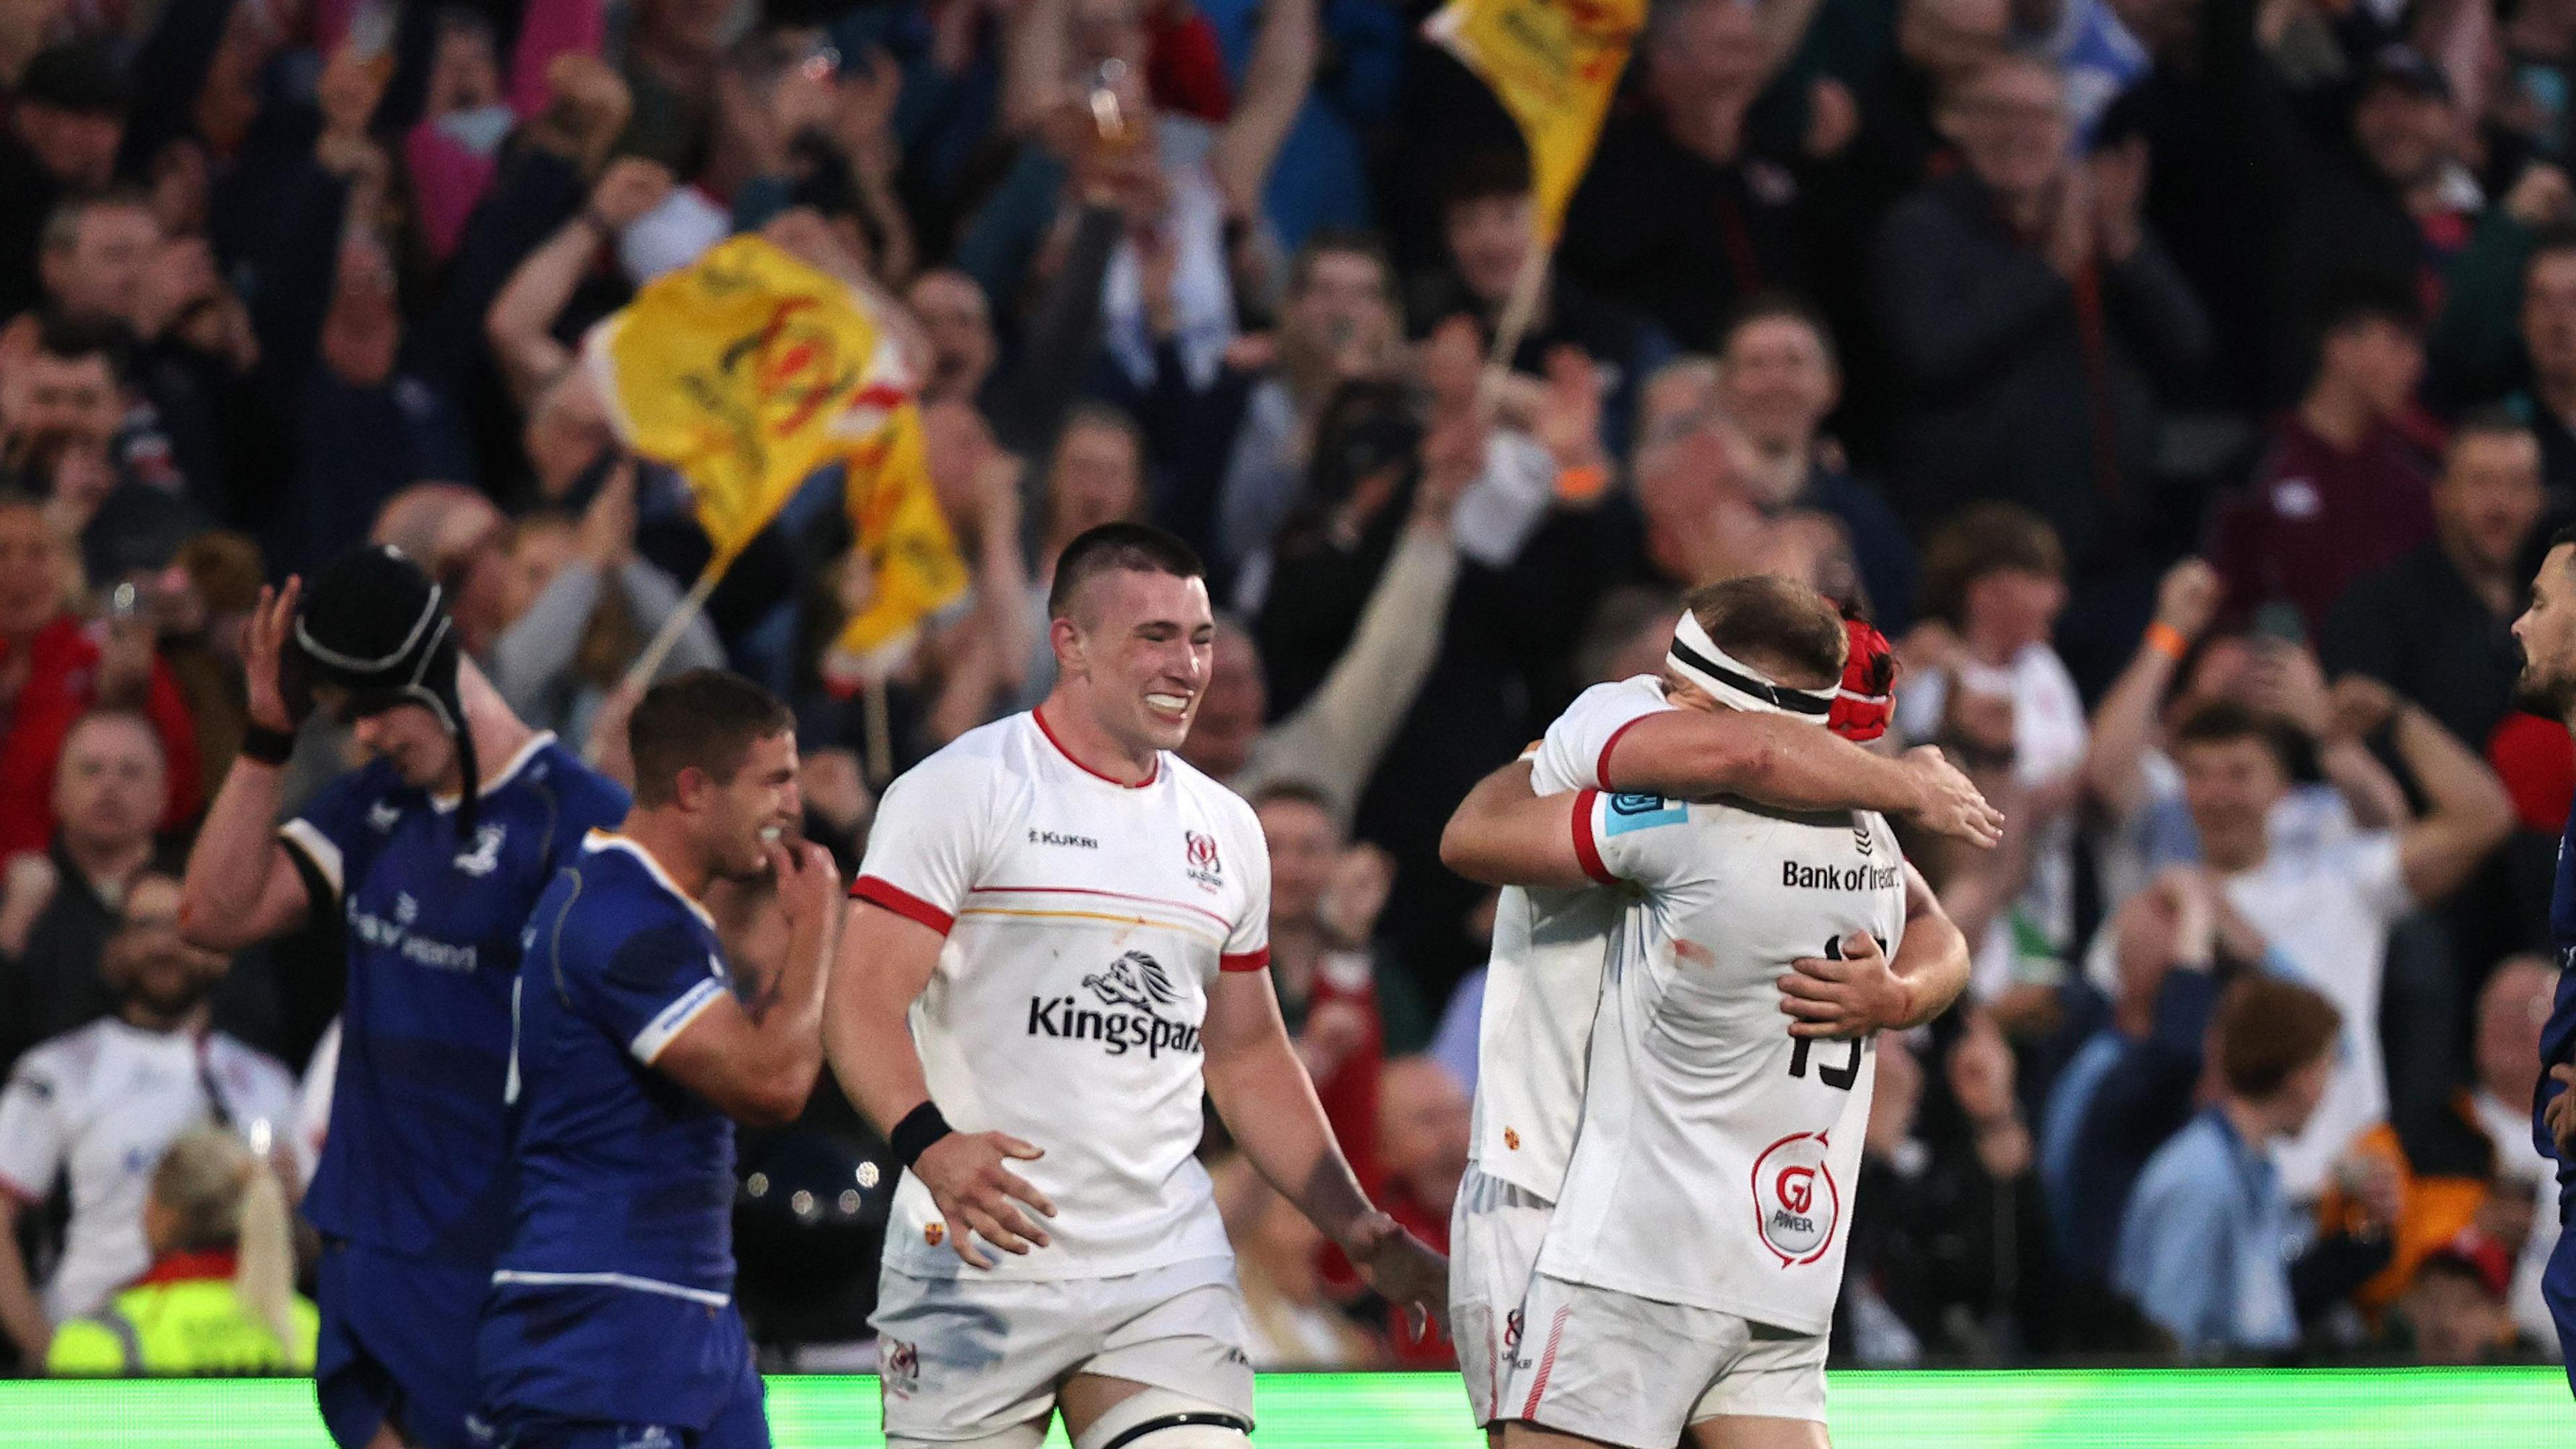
x,y
1131,992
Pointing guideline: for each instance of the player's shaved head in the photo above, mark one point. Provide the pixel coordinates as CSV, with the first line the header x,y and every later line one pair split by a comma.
x,y
706,719
1777,625
1112,548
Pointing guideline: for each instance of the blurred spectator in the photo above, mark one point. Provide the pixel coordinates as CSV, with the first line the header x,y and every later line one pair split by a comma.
x,y
1487,228
220,1295
2520,1212
93,254
2434,625
2130,1087
2341,491
2129,772
1333,742
1289,1323
1703,63
96,1108
1324,901
1994,581
60,907
59,666
2207,1243
1778,378
2548,327
1955,1154
2327,915
2028,310
2454,1311
65,125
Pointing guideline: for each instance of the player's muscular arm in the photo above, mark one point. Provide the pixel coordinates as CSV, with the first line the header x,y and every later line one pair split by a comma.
x,y
1690,754
241,887
885,961
756,1060
1865,992
1501,834
1269,1104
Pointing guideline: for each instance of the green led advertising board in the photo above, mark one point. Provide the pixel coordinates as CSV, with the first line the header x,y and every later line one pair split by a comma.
x,y
2141,1409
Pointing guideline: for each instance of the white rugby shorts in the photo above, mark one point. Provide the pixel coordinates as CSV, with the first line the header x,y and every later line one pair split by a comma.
x,y
970,1357
1632,1371
1495,1229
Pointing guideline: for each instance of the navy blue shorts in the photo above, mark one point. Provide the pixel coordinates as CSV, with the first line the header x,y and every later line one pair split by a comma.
x,y
397,1346
744,1424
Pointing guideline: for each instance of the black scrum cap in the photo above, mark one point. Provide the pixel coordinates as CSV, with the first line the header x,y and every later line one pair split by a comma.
x,y
375,625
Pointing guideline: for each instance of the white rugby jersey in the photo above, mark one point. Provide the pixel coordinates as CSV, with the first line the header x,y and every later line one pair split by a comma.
x,y
98,1106
1543,982
1718,1154
1085,920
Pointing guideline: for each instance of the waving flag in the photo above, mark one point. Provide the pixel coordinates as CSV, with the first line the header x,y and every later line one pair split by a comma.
x,y
1553,64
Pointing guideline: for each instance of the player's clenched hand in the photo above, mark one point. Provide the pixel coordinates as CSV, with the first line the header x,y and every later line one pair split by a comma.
x,y
809,884
976,1192
2561,1111
1850,997
1402,1268
1949,803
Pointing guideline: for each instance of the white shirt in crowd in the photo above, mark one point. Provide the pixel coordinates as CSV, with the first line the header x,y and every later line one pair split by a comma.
x,y
98,1106
1086,921
1543,982
2049,736
2326,917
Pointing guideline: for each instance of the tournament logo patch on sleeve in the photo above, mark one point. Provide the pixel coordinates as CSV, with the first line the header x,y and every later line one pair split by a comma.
x,y
1643,812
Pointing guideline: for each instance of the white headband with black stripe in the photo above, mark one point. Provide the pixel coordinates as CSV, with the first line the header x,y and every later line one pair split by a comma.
x,y
1738,685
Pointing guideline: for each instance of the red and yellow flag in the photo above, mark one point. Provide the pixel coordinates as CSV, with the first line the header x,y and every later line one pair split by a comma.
x,y
746,371
1554,65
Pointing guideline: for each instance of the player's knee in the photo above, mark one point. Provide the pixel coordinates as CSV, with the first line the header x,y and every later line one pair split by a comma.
x,y
1162,1419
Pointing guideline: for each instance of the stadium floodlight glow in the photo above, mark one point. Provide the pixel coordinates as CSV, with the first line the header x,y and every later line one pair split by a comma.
x,y
2052,1409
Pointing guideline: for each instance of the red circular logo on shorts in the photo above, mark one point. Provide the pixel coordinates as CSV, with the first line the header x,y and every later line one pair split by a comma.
x,y
1796,1205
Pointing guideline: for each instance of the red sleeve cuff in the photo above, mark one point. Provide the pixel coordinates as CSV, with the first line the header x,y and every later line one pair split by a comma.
x,y
877,891
1601,766
1587,850
1244,960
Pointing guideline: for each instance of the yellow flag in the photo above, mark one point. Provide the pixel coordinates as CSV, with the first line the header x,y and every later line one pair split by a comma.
x,y
909,558
745,370
1554,65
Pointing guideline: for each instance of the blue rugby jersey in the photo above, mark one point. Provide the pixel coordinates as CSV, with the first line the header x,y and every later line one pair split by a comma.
x,y
417,1153
613,1296
2558,1038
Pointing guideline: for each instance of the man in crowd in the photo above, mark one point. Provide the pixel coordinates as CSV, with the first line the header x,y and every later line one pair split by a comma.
x,y
434,852
96,1107
2205,1245
55,667
64,129
59,908
2435,625
2328,913
612,1310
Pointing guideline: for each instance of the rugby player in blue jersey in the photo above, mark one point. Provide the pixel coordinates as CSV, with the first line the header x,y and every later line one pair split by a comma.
x,y
611,1320
2547,633
433,852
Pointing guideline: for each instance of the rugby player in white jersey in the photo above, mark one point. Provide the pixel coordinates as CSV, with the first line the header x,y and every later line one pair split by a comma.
x,y
1060,939
1659,735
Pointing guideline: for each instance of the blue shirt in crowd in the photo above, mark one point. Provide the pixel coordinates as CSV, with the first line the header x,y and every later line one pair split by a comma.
x,y
2204,1244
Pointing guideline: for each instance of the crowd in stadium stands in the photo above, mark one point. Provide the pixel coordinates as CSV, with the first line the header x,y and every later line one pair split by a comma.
x,y
2185,385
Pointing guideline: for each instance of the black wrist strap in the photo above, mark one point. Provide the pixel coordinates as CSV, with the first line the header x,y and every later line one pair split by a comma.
x,y
267,746
917,1132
